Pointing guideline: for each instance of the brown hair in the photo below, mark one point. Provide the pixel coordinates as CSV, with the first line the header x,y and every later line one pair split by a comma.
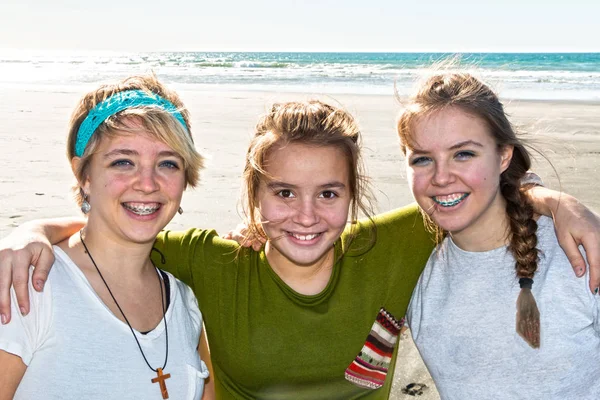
x,y
312,123
155,121
464,91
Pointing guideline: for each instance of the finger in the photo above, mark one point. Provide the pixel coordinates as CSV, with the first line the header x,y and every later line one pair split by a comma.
x,y
242,240
572,252
42,265
42,268
256,246
227,236
592,252
5,282
20,279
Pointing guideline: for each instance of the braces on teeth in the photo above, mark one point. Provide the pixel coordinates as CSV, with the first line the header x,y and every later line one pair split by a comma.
x,y
142,210
452,202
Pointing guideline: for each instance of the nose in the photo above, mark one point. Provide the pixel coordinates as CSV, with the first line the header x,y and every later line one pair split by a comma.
x,y
442,175
307,213
146,180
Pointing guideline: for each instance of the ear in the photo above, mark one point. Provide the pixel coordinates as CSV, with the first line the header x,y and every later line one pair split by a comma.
x,y
75,162
506,153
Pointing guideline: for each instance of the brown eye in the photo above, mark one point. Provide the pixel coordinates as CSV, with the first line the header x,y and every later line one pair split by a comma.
x,y
285,193
328,194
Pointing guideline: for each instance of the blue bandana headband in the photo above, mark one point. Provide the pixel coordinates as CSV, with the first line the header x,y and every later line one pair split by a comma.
x,y
117,103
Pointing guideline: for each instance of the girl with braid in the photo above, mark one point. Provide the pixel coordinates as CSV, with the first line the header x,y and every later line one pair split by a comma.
x,y
496,313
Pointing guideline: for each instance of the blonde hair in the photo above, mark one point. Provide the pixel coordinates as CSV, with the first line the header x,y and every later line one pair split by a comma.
x,y
464,91
158,123
312,123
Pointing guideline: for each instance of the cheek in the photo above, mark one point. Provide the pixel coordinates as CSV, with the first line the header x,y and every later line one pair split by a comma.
x,y
274,210
337,215
485,175
418,182
174,187
111,185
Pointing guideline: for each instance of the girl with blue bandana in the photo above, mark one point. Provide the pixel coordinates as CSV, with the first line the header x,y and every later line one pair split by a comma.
x,y
109,324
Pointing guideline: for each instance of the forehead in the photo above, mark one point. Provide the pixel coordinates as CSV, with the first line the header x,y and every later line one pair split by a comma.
x,y
302,163
140,141
447,127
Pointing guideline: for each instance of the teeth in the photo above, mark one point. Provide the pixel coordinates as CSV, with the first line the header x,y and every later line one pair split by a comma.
x,y
450,200
142,209
305,237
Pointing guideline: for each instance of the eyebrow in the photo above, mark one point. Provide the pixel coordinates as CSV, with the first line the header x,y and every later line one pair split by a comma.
x,y
453,147
329,185
129,152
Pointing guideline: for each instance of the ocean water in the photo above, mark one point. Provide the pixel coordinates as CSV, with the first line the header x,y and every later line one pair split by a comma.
x,y
546,76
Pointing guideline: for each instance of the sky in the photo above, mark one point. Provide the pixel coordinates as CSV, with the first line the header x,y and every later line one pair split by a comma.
x,y
302,25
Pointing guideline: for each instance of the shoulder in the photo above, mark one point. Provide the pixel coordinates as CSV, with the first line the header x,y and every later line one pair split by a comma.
x,y
25,334
547,243
200,239
553,262
400,230
183,291
403,217
184,297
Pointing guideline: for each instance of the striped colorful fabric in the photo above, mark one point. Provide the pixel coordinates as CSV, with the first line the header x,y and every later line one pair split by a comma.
x,y
369,369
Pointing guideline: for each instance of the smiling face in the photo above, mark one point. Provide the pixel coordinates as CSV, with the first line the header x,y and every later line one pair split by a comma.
x,y
304,205
454,172
135,184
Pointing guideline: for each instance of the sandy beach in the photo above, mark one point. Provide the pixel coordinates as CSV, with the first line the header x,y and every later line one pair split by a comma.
x,y
35,177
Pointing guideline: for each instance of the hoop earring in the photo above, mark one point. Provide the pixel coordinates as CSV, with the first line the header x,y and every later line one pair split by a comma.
x,y
85,206
180,211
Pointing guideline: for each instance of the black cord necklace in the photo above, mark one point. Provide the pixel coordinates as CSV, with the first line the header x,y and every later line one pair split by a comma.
x,y
160,377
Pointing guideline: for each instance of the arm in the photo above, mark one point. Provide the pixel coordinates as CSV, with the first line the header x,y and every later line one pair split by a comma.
x,y
30,244
209,383
575,225
13,370
20,340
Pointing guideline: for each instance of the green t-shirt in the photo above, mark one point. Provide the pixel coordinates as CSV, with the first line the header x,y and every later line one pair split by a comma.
x,y
269,342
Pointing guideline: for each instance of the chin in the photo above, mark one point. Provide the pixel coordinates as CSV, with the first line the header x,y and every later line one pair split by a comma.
x,y
451,225
308,260
142,236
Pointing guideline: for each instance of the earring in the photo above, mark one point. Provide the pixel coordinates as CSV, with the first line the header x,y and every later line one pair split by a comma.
x,y
85,206
180,211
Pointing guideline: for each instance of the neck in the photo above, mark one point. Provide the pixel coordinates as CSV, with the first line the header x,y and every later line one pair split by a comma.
x,y
304,279
484,240
489,232
127,259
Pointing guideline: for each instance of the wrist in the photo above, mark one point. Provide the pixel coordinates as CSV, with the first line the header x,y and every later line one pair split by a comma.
x,y
545,201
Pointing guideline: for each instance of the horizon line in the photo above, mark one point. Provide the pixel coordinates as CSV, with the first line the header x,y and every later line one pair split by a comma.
x,y
426,51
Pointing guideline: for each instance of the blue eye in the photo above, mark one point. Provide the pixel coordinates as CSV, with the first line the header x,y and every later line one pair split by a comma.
x,y
420,161
169,164
286,194
121,163
328,194
464,155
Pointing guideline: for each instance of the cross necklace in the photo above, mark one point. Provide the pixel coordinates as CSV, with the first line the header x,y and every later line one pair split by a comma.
x,y
160,376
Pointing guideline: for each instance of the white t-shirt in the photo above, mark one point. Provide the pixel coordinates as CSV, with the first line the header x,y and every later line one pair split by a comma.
x,y
75,348
462,316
